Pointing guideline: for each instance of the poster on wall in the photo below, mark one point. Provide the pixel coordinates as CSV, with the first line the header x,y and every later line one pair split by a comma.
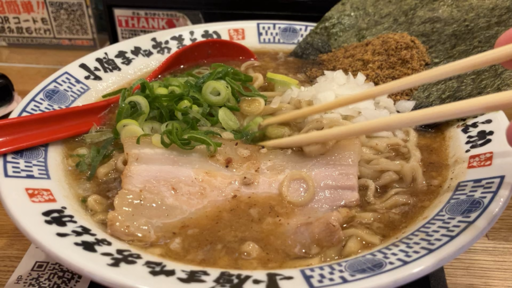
x,y
131,23
47,23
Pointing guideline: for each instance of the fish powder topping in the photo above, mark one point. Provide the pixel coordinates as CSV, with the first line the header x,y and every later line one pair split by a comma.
x,y
382,59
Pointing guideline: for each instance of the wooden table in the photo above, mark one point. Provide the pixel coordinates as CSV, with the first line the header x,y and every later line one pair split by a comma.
x,y
487,264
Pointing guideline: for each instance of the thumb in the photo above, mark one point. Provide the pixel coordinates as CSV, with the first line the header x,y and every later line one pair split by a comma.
x,y
509,134
505,38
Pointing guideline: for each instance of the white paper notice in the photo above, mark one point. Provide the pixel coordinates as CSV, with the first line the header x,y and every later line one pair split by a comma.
x,y
46,22
36,269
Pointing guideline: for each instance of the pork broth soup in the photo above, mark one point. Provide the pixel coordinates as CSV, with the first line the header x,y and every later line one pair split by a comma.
x,y
175,170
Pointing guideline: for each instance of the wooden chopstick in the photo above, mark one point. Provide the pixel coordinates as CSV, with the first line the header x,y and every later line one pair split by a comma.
x,y
471,63
465,108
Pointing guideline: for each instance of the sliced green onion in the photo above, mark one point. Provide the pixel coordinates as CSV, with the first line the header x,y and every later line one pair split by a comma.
x,y
232,104
211,146
228,88
143,105
174,135
164,125
184,105
157,140
163,112
113,93
239,88
196,109
131,131
152,127
125,123
178,82
168,124
214,93
213,115
228,119
140,137
196,94
97,136
140,82
174,89
187,104
253,124
161,91
155,84
202,121
185,79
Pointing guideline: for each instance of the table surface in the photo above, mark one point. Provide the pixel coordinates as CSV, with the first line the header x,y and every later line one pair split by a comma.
x,y
488,263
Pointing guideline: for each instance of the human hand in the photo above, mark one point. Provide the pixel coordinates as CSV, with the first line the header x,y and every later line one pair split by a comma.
x,y
506,38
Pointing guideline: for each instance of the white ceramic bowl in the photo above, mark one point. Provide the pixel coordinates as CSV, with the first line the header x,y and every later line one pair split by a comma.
x,y
36,195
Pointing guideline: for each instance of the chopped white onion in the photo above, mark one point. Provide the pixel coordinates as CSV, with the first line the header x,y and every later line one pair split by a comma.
x,y
289,94
351,78
275,102
313,117
404,106
384,102
326,96
372,114
332,116
359,119
360,78
337,84
347,111
339,77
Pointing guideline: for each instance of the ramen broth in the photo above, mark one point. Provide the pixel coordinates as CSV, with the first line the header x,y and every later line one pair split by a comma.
x,y
249,231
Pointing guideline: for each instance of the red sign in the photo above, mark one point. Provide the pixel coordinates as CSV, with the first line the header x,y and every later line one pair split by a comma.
x,y
480,160
40,195
12,7
236,34
148,23
27,7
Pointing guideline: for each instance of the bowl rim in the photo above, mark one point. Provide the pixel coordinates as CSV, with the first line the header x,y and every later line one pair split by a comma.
x,y
115,280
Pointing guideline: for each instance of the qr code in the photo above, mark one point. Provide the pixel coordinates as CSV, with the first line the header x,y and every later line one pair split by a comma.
x,y
70,19
52,275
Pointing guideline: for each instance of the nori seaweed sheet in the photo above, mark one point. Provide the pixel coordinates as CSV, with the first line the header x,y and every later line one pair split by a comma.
x,y
451,30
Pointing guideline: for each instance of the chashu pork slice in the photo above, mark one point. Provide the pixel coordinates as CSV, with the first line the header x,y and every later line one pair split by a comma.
x,y
161,186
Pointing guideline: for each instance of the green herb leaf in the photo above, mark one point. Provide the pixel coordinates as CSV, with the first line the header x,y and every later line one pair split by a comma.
x,y
82,166
98,154
113,93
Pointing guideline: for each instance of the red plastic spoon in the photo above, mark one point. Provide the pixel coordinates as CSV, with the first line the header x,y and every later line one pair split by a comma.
x,y
28,131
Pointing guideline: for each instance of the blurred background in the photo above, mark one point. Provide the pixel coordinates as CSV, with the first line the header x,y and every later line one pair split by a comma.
x,y
45,35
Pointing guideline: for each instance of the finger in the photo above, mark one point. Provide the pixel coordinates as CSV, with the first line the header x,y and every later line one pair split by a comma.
x,y
505,38
509,134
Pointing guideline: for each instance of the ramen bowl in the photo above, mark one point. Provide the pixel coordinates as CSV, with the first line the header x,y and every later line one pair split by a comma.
x,y
40,200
